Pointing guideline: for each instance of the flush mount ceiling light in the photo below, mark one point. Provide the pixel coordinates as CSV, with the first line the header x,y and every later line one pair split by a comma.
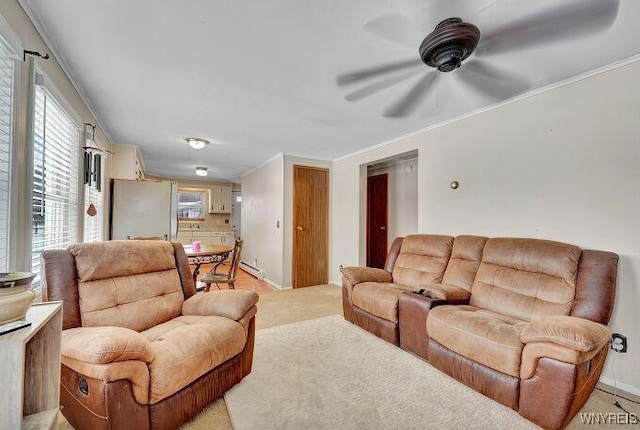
x,y
201,171
196,142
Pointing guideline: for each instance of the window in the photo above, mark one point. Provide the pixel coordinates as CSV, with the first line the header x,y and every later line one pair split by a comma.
x,y
190,206
55,177
7,69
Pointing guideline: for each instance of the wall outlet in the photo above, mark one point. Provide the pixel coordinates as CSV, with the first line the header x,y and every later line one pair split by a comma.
x,y
618,342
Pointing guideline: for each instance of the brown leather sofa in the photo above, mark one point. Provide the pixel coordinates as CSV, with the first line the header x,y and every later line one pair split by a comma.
x,y
140,349
522,321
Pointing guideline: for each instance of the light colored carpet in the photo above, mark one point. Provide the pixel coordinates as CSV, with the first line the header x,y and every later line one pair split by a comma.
x,y
334,375
286,307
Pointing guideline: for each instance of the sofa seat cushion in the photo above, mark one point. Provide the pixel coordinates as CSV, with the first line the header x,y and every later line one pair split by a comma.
x,y
481,335
187,347
379,298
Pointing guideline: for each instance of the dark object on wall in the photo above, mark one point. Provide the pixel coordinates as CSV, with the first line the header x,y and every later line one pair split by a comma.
x,y
35,54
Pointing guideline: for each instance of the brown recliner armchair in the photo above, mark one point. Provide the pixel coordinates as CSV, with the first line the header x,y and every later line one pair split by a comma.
x,y
140,349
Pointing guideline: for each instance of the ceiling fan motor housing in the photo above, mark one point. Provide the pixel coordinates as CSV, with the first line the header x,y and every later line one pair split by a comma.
x,y
449,44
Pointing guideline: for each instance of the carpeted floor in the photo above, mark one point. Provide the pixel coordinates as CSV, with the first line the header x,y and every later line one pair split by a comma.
x,y
339,376
288,307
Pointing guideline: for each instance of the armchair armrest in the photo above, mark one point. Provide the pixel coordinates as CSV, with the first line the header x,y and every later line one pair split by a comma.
x,y
357,275
574,333
229,304
103,345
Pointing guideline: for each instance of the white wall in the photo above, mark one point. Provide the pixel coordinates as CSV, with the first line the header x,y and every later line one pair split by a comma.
x,y
402,188
289,162
562,165
262,218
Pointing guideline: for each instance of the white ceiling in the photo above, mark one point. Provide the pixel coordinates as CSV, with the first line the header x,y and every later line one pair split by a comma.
x,y
259,77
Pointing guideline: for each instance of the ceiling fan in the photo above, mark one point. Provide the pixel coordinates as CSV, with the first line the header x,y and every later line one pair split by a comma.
x,y
448,46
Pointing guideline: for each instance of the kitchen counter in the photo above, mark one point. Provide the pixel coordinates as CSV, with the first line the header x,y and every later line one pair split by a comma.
x,y
206,236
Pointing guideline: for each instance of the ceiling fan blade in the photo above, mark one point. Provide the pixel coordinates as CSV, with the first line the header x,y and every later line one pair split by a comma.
x,y
396,28
372,72
491,81
382,84
575,19
407,104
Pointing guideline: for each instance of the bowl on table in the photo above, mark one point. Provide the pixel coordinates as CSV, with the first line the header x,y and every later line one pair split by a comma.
x,y
15,295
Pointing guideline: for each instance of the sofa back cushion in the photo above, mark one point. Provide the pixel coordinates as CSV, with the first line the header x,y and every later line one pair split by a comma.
x,y
464,262
422,258
132,284
526,278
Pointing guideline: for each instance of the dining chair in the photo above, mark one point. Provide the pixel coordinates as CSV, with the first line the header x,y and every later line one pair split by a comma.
x,y
225,278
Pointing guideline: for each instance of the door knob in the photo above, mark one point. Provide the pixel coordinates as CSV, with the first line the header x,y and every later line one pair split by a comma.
x,y
383,228
299,228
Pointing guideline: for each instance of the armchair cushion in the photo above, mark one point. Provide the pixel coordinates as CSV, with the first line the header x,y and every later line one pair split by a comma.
x,y
230,304
102,345
357,275
574,333
187,347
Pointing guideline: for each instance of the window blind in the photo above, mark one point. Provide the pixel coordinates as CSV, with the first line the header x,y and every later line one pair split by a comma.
x,y
7,64
55,178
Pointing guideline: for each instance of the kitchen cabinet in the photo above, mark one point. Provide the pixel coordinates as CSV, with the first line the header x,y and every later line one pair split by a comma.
x,y
220,199
126,163
224,238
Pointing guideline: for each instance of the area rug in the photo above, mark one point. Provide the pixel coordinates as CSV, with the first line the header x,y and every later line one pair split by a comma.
x,y
327,373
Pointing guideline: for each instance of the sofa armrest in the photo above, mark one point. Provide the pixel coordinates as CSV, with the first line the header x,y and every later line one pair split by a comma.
x,y
574,333
229,304
444,292
357,275
103,345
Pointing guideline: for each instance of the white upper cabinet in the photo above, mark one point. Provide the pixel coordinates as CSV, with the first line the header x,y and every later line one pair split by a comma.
x,y
126,163
220,199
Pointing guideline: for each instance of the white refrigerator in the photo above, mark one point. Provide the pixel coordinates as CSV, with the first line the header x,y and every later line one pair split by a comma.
x,y
143,209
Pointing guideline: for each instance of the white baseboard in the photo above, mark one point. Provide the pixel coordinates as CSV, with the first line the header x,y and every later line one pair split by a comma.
x,y
621,386
259,273
275,285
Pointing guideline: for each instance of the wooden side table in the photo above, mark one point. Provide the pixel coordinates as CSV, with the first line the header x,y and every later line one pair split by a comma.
x,y
30,370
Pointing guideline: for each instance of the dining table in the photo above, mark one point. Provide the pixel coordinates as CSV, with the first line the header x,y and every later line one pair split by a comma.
x,y
207,254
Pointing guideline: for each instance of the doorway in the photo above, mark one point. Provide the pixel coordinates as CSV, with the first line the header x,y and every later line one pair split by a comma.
x,y
389,205
377,201
310,226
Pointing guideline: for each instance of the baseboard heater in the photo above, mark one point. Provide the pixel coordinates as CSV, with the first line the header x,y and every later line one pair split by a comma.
x,y
255,271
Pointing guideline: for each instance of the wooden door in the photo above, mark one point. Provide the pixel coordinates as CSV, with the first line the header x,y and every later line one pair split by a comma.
x,y
310,226
377,220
